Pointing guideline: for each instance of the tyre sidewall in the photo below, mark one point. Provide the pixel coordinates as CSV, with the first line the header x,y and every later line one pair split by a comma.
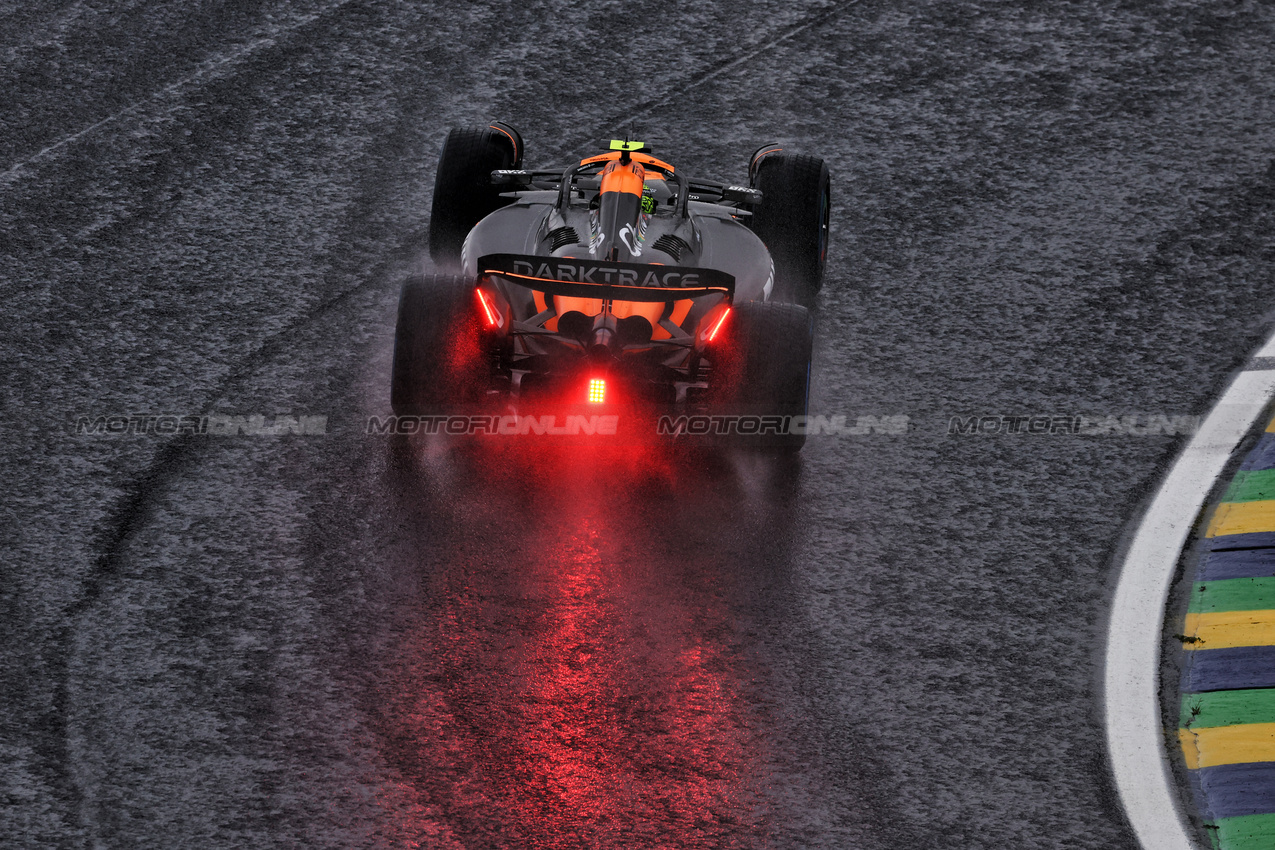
x,y
762,369
438,354
792,221
463,192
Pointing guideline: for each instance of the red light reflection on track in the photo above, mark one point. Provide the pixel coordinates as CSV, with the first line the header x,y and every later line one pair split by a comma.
x,y
595,698
609,734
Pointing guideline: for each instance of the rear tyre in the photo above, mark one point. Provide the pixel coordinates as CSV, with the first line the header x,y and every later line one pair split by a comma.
x,y
439,362
463,193
763,374
792,220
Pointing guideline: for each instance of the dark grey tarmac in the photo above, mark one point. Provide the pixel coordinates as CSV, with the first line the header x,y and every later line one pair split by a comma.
x,y
1055,209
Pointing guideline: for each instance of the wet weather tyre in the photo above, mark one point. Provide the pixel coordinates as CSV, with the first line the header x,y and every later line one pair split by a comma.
x,y
792,220
439,363
764,374
463,194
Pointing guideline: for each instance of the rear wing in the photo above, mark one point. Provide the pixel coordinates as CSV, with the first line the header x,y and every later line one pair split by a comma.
x,y
586,278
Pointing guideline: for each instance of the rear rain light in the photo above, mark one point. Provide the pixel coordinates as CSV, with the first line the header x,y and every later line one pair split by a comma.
x,y
597,391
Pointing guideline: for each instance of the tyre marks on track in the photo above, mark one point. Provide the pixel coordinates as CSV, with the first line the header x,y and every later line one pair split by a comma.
x,y
143,491
348,277
726,65
207,70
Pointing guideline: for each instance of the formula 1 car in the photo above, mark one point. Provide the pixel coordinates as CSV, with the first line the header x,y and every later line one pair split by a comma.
x,y
617,282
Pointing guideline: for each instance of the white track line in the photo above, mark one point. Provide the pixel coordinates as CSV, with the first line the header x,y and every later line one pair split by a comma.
x,y
1135,738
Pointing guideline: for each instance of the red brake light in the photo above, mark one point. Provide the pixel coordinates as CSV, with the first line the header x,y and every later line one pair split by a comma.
x,y
597,391
492,317
717,327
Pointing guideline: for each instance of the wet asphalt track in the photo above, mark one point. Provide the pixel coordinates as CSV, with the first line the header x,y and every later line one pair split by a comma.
x,y
1054,209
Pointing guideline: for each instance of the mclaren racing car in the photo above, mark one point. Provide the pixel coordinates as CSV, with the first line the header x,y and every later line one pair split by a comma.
x,y
617,283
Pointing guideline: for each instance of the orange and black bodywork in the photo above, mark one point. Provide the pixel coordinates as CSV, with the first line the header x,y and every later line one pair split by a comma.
x,y
619,209
614,265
